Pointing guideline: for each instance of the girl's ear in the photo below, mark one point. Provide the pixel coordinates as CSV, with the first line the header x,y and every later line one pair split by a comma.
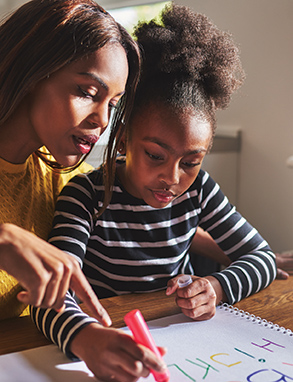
x,y
122,145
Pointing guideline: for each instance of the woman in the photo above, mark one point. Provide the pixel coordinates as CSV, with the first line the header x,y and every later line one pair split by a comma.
x,y
64,66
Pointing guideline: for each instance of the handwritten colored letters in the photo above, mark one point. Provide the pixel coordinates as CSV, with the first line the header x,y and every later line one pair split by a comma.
x,y
227,348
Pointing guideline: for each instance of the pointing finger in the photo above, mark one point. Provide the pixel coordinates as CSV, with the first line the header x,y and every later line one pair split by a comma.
x,y
86,294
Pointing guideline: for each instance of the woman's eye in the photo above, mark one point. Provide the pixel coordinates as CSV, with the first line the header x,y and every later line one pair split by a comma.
x,y
116,102
85,93
112,106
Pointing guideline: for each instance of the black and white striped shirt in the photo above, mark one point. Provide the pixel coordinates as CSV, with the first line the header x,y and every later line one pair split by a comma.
x,y
133,247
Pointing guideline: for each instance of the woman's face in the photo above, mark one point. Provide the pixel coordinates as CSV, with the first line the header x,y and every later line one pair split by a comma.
x,y
70,110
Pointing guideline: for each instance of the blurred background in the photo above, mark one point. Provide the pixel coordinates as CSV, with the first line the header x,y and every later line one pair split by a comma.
x,y
252,157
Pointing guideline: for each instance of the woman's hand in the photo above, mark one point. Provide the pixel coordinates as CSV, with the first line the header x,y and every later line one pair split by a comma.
x,y
198,300
113,355
45,272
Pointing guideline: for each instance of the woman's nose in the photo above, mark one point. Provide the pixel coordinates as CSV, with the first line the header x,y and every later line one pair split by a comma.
x,y
100,117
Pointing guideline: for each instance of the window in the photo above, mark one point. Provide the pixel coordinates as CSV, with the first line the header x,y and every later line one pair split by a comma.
x,y
129,16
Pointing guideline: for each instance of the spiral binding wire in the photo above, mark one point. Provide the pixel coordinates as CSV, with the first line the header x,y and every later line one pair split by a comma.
x,y
255,319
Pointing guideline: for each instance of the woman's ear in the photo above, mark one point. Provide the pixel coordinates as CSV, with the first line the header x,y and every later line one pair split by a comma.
x,y
122,145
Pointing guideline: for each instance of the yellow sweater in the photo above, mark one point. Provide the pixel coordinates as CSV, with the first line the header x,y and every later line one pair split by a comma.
x,y
28,194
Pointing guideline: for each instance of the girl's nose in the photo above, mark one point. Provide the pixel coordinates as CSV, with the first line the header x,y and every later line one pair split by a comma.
x,y
171,174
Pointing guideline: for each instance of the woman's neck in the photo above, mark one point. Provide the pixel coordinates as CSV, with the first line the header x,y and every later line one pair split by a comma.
x,y
17,142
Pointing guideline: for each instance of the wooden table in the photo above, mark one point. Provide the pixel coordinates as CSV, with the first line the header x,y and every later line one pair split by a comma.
x,y
275,304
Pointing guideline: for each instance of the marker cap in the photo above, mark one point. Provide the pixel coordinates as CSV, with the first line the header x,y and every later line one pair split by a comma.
x,y
184,280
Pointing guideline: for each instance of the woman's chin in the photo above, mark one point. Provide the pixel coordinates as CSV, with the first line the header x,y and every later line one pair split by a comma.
x,y
69,161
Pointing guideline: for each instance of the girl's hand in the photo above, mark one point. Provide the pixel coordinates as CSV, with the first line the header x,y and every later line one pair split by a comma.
x,y
198,300
284,263
45,272
113,355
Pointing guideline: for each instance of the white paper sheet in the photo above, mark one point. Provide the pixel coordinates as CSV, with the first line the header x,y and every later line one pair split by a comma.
x,y
228,348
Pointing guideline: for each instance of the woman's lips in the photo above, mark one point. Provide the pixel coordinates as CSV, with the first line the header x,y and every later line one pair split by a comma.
x,y
85,143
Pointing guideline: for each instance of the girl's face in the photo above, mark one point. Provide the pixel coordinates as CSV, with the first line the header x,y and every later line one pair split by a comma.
x,y
163,155
70,110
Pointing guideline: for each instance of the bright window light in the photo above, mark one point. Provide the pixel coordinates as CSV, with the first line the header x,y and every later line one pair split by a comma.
x,y
129,16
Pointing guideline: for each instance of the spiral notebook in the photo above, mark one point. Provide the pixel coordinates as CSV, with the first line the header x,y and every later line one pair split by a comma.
x,y
234,346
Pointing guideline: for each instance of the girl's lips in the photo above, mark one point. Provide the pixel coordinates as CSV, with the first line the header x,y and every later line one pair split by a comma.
x,y
163,196
85,143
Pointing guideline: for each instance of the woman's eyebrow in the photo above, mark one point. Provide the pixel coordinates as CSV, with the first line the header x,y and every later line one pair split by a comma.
x,y
99,80
95,78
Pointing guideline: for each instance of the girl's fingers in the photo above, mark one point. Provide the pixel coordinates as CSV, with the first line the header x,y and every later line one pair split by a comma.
x,y
172,285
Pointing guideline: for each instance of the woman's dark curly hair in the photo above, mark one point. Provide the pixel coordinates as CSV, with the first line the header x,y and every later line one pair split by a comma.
x,y
188,63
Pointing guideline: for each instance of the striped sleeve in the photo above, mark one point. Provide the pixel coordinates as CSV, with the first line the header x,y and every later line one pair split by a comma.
x,y
61,328
70,234
253,263
74,217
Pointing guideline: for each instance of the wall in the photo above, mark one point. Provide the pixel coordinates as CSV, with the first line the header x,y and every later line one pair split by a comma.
x,y
7,6
262,108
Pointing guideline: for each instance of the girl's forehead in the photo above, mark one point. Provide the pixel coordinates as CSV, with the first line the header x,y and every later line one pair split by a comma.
x,y
164,120
172,129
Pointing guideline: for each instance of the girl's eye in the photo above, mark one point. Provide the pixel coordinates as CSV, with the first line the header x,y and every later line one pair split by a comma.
x,y
153,156
190,165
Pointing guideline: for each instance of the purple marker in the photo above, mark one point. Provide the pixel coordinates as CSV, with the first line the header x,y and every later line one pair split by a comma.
x,y
136,323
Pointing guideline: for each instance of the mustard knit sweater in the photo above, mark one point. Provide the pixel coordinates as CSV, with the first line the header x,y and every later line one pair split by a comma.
x,y
28,194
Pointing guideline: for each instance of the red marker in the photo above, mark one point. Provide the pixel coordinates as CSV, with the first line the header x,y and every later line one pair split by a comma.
x,y
136,323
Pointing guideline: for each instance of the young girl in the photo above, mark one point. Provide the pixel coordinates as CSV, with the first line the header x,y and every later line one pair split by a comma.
x,y
64,65
140,243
